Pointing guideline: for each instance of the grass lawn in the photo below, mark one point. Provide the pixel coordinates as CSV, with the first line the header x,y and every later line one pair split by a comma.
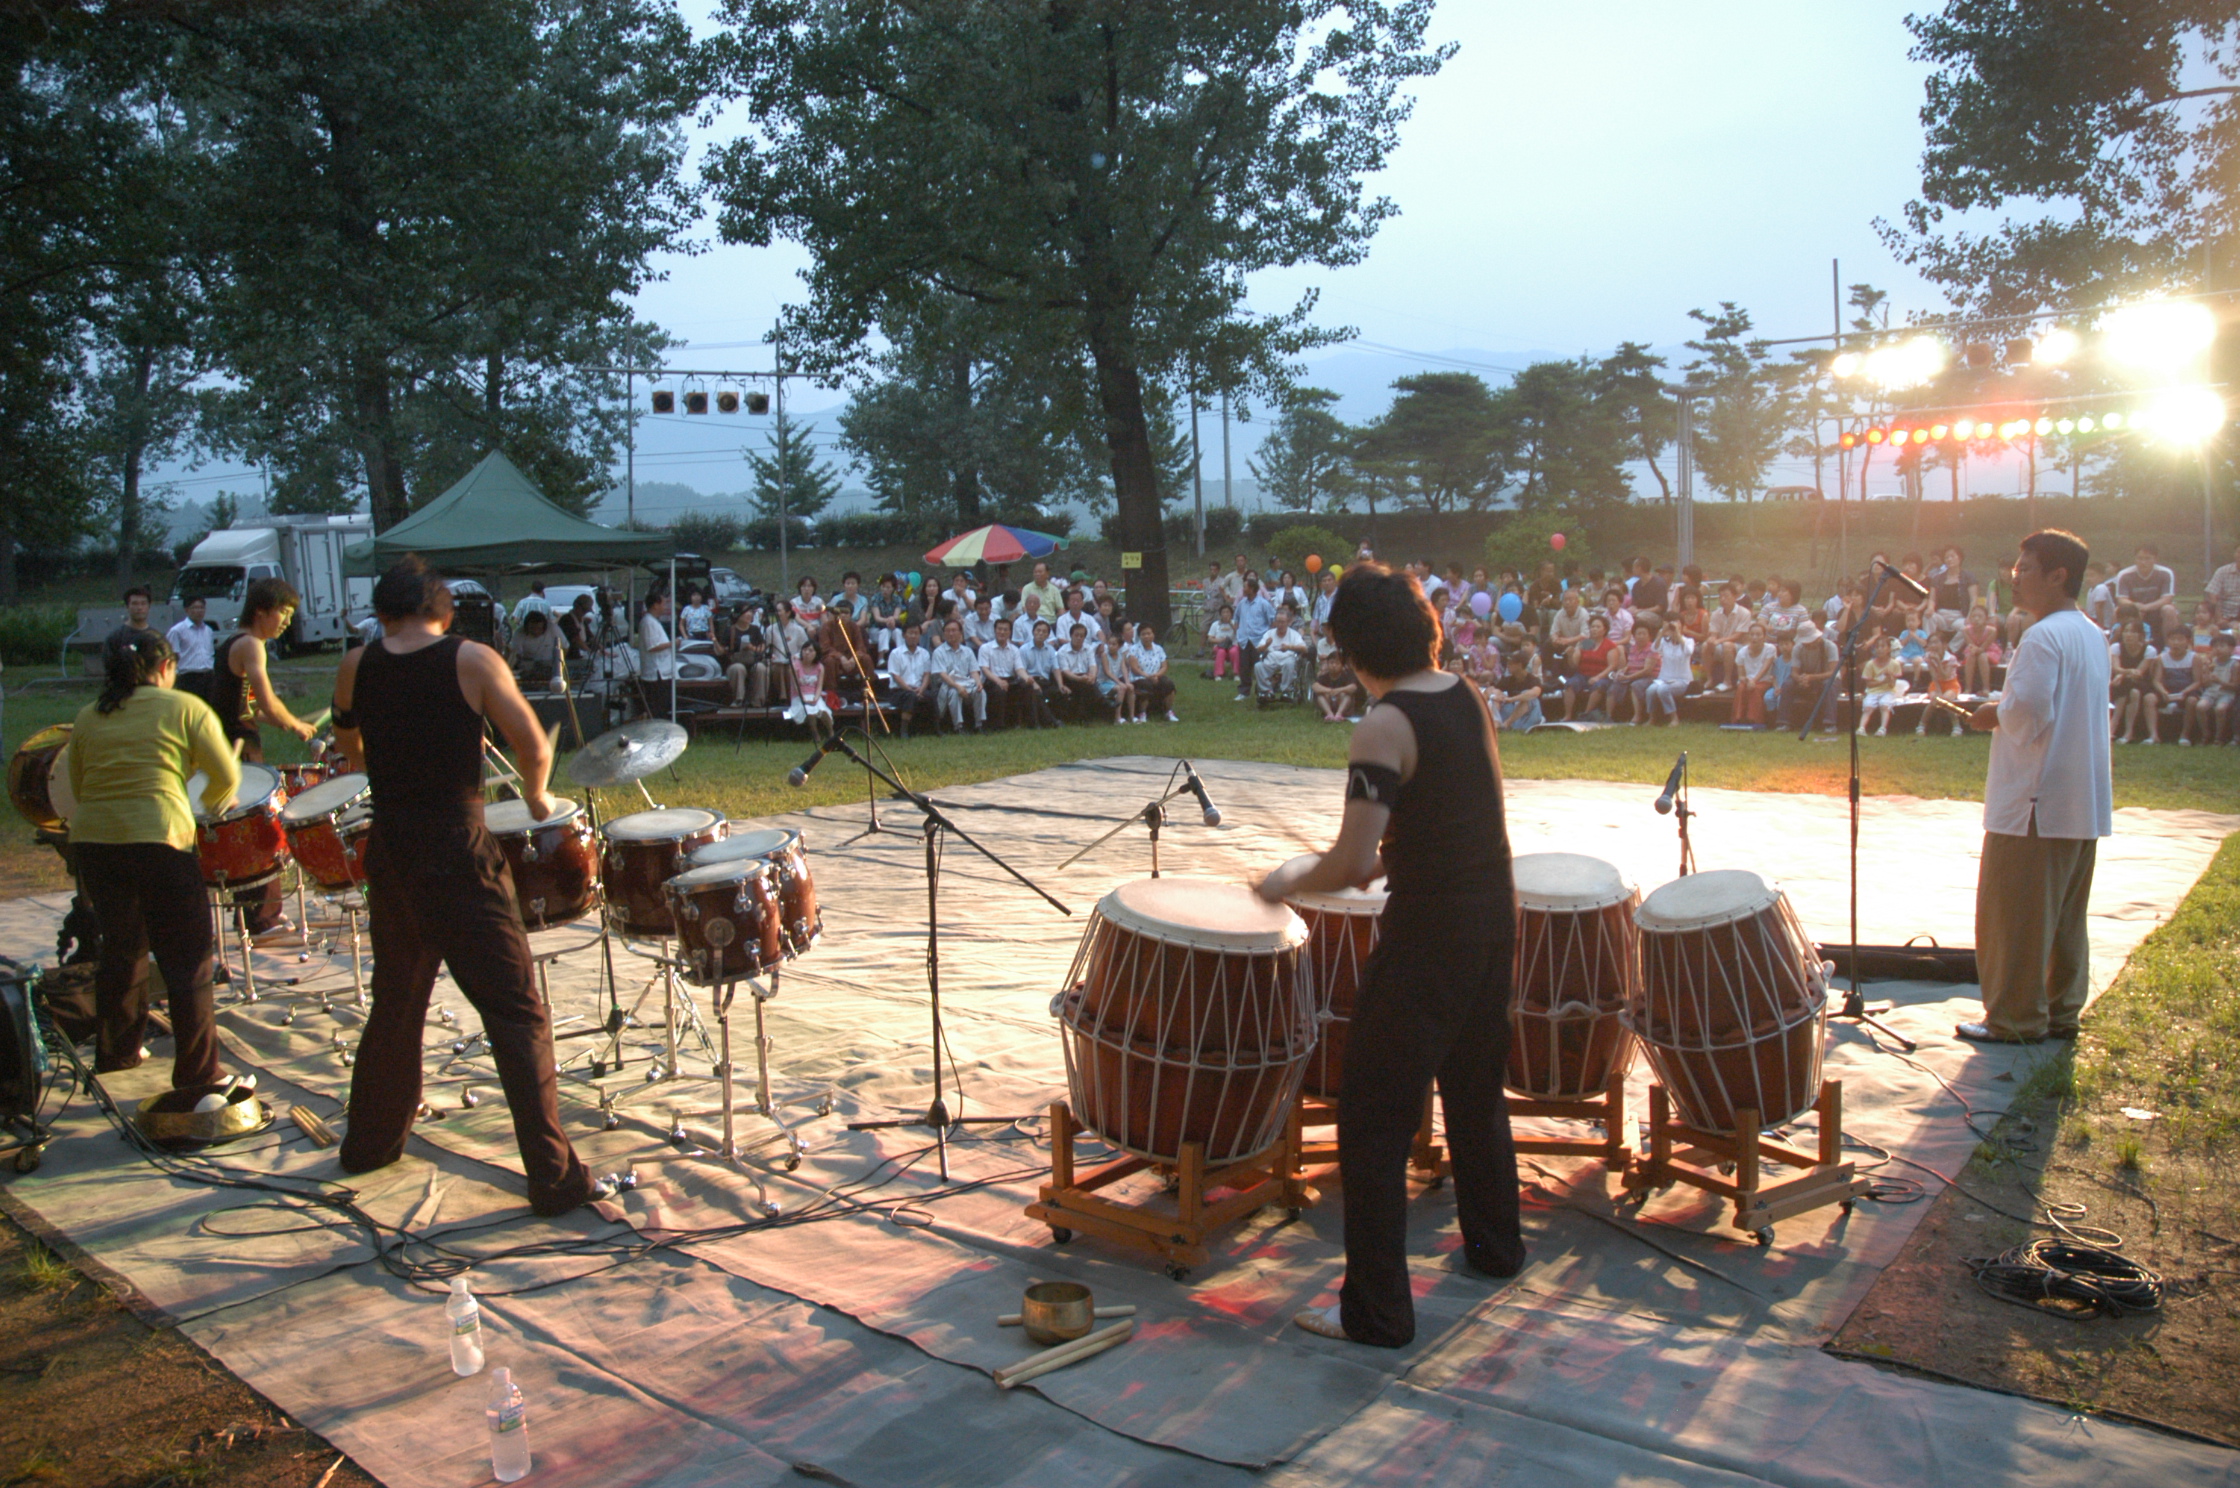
x,y
750,780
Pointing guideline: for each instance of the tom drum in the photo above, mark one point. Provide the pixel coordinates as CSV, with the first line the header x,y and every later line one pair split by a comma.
x,y
245,844
555,867
801,922
313,824
727,920
643,851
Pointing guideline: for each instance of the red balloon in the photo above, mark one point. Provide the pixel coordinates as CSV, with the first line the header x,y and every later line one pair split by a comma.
x,y
1556,540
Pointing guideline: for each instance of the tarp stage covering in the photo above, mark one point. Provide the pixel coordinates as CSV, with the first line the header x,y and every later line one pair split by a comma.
x,y
495,518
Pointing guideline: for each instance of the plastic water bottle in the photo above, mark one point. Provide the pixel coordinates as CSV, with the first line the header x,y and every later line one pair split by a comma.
x,y
509,1428
465,1315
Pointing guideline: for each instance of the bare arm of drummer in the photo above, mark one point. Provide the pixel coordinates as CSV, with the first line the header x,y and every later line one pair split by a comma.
x,y
268,703
1385,738
347,738
490,690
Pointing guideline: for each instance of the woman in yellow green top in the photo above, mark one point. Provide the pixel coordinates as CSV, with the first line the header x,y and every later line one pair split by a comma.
x,y
132,751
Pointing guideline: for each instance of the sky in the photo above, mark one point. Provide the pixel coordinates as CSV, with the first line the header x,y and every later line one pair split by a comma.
x,y
1576,176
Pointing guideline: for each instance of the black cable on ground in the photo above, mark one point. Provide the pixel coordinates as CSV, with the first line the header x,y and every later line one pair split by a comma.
x,y
2070,1280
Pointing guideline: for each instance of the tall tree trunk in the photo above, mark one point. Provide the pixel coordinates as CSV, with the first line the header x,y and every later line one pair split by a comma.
x,y
493,387
1664,486
7,565
377,444
966,487
1135,479
129,457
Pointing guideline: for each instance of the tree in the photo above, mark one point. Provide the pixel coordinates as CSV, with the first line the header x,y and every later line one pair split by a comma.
x,y
426,217
1629,385
788,479
2120,118
1445,444
1302,462
1101,173
1746,402
1568,443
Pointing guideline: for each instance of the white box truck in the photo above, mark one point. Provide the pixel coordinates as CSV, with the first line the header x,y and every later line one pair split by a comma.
x,y
306,551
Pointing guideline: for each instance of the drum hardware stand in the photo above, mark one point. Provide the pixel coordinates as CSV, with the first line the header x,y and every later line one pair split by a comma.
x,y
1681,1154
1856,1008
937,823
1153,816
1606,1108
1070,1202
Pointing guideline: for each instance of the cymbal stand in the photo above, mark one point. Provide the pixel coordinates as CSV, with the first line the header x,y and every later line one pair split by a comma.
x,y
937,825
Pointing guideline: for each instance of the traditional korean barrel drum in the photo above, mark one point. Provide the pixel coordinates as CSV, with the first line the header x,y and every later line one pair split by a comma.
x,y
1341,932
1732,1008
1189,1016
1578,964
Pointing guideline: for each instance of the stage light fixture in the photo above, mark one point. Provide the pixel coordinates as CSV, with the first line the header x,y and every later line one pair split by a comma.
x,y
727,400
2066,426
1921,436
1848,440
1979,356
758,402
2020,352
1847,364
2055,347
1939,431
2185,415
664,401
2043,426
2115,420
2085,425
1874,436
1908,363
696,401
1966,428
2160,336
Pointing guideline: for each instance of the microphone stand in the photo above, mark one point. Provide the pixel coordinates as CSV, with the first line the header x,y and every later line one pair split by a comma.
x,y
1681,811
937,824
1855,1007
1153,816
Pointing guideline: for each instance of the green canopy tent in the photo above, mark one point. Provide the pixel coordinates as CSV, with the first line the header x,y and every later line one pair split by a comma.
x,y
495,521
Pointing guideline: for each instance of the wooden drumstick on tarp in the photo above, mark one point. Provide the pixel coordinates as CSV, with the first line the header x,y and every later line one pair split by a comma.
x,y
1037,1365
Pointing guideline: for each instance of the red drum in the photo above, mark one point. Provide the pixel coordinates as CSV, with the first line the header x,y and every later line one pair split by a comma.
x,y
39,779
296,779
1733,1001
1578,965
313,823
244,844
1341,932
801,922
1189,1017
555,867
727,920
643,851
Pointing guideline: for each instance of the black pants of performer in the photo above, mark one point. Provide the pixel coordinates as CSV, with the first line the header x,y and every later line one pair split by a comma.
x,y
441,894
1433,1004
149,896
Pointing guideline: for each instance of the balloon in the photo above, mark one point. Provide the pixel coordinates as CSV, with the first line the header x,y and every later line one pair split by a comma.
x,y
1511,607
1480,602
1337,570
1314,563
1556,540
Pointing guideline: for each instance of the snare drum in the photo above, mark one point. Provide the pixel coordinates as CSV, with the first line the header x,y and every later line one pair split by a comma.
x,y
555,867
1578,962
313,823
727,920
1732,1005
801,922
1188,1016
296,779
39,779
1341,932
643,851
245,844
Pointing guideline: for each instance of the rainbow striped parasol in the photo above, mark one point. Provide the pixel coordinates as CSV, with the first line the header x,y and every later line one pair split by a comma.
x,y
994,543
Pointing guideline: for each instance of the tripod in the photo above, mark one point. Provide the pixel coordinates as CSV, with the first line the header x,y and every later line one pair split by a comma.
x,y
937,825
1855,1008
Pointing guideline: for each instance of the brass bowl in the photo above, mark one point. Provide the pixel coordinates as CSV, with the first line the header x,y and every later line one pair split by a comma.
x,y
1057,1311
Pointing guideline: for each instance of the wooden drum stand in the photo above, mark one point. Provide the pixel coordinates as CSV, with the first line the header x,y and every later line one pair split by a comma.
x,y
1681,1154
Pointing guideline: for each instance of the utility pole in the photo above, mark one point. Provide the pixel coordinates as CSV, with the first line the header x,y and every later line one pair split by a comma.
x,y
1685,445
1197,468
1228,493
781,437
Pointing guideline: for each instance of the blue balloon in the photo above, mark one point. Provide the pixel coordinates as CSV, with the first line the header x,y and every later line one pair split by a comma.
x,y
1511,607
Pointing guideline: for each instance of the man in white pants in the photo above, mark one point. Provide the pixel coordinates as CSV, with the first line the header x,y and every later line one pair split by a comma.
x,y
956,667
2047,801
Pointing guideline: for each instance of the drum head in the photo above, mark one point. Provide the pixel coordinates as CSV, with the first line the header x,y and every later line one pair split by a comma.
x,y
667,824
504,818
1569,883
738,871
758,843
1363,901
1204,914
259,784
323,799
1719,897
59,794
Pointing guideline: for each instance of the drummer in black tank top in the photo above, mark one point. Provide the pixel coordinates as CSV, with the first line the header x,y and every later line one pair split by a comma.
x,y
243,696
1423,808
408,710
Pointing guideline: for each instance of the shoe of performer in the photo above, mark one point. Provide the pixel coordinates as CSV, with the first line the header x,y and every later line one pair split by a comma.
x,y
1322,1322
1980,1033
274,931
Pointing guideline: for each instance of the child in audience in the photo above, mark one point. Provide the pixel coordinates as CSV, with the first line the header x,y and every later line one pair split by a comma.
x,y
1879,679
1336,691
1635,674
2223,685
1754,673
1979,652
1913,656
2130,683
2204,626
1221,636
1112,675
2179,680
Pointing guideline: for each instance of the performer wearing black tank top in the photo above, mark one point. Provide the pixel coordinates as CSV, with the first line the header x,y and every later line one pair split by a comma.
x,y
1423,808
408,710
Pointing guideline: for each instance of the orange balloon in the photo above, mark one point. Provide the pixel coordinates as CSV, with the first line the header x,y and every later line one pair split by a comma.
x,y
1314,563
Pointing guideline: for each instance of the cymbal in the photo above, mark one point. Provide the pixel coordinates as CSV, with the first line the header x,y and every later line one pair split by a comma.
x,y
631,752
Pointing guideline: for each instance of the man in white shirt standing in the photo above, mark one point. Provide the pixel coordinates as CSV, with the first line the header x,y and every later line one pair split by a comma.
x,y
193,640
657,654
956,670
2047,801
532,602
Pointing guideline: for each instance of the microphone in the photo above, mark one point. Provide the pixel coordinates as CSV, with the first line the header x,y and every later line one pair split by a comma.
x,y
1903,580
799,775
1672,784
1197,788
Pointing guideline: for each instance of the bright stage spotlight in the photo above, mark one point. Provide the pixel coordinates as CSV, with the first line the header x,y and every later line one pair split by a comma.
x,y
1907,364
2055,347
2114,420
1921,436
1938,432
1875,436
2160,336
2184,415
1966,429
2085,425
2065,425
2043,426
1847,364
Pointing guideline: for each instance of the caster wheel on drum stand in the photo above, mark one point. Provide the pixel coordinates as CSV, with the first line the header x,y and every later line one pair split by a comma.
x,y
1764,1237
1847,1206
28,1160
793,1164
1178,1273
1060,1235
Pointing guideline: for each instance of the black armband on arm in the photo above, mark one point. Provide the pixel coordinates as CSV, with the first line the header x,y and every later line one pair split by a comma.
x,y
343,718
1379,785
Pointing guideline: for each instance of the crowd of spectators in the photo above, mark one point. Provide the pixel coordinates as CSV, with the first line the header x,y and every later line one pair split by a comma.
x,y
1627,647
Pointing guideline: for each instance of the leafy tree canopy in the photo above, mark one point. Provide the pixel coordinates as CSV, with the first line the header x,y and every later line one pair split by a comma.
x,y
1301,465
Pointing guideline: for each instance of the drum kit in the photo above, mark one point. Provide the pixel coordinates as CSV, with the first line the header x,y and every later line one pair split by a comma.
x,y
1203,1029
